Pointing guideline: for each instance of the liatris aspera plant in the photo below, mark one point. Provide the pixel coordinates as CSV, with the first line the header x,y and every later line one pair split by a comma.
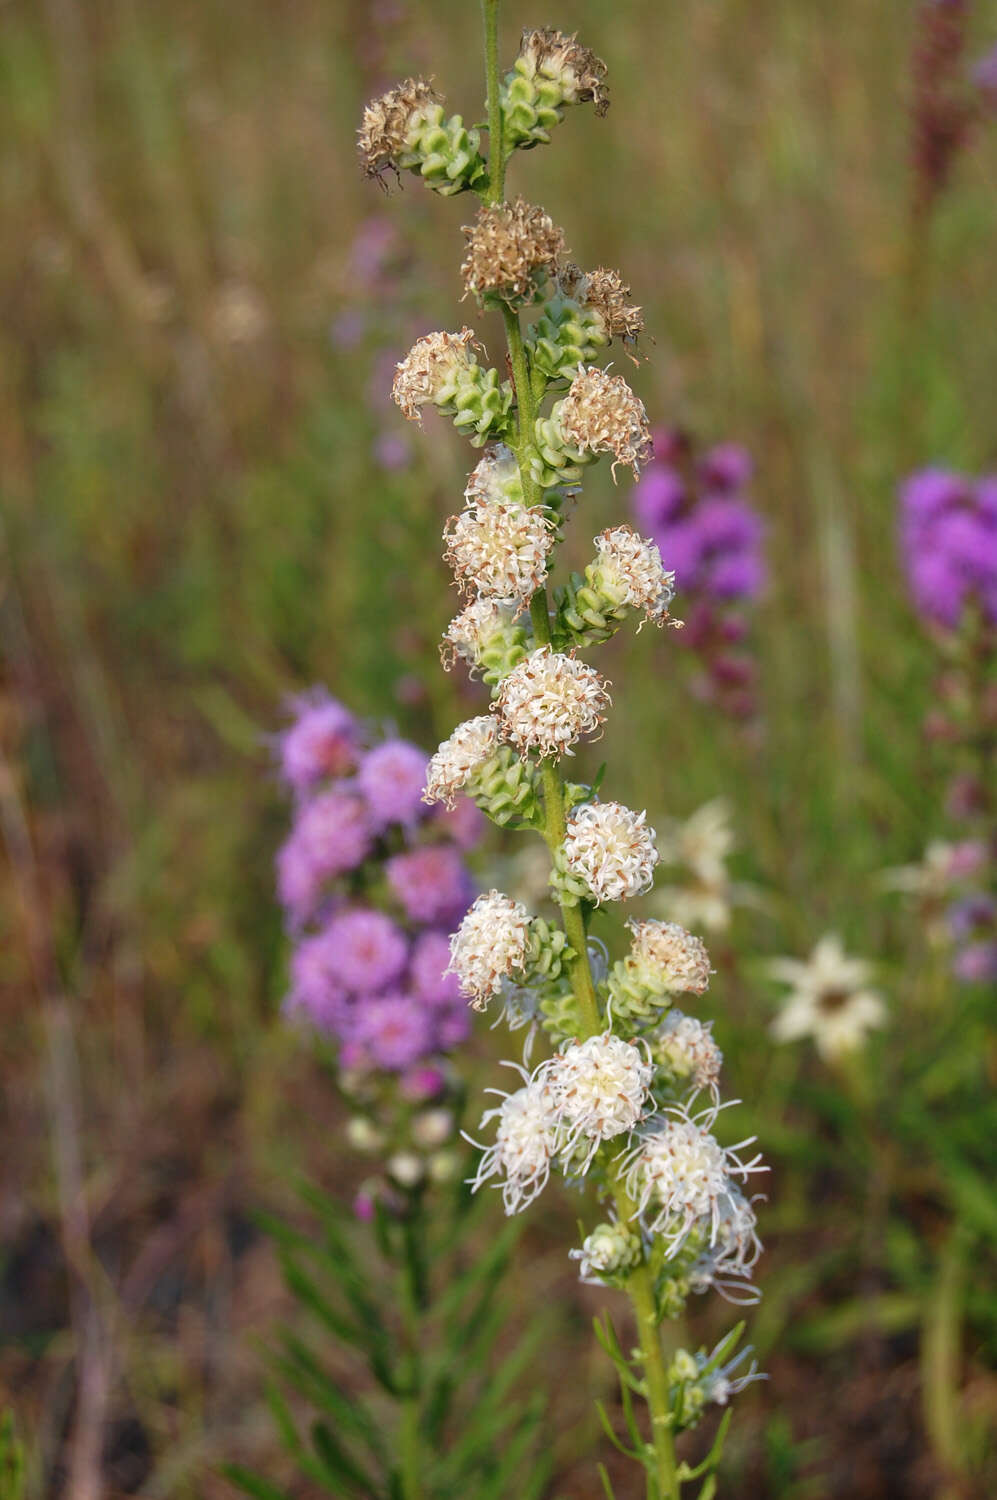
x,y
948,535
615,1106
371,879
697,508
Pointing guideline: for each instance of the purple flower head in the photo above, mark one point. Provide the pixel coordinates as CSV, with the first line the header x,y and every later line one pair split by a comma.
x,y
948,536
658,498
977,964
370,950
464,823
299,883
431,884
966,859
670,445
424,1081
726,468
392,777
971,915
430,957
453,1025
321,743
316,992
335,833
394,1031
985,78
392,451
682,549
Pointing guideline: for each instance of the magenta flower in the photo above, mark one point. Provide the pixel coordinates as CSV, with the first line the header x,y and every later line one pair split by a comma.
x,y
316,992
392,777
335,832
948,538
427,972
394,1031
370,950
431,883
320,744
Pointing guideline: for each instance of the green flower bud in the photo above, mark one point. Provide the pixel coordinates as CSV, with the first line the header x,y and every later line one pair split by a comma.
x,y
608,1254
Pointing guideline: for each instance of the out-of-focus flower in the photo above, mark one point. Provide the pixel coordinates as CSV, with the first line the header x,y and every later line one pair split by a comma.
x,y
948,536
431,883
391,777
321,742
703,896
829,1000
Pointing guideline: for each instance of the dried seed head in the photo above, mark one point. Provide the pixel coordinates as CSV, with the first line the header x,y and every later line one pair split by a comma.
x,y
431,368
601,414
490,945
499,551
606,293
511,249
548,701
576,69
459,759
610,849
631,565
389,122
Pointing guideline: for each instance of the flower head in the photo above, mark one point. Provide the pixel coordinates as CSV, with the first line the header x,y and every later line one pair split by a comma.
x,y
391,122
431,883
459,759
601,414
526,1140
683,1047
391,777
394,1031
316,987
607,294
320,744
548,701
669,957
369,948
680,1177
484,634
577,70
948,533
491,944
512,248
432,370
610,850
428,971
499,550
597,1090
632,567
829,999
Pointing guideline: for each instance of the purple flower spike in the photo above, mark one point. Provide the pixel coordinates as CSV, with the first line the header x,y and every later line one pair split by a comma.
x,y
392,777
948,536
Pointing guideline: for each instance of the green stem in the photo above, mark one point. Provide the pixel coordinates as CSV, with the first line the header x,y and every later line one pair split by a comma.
x,y
496,143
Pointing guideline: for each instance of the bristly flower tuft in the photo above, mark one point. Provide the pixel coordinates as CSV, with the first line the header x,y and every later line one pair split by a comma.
x,y
608,854
549,701
512,251
577,70
606,293
499,551
460,758
491,944
390,121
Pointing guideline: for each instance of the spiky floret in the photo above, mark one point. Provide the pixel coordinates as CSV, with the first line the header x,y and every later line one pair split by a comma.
x,y
664,960
629,566
442,370
551,71
549,701
492,943
598,1089
512,251
499,550
460,759
600,414
407,128
526,1140
727,1264
485,635
680,1177
608,854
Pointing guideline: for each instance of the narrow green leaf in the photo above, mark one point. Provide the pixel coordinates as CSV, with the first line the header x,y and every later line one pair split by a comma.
x,y
607,1487
302,1368
253,1484
305,1290
713,1457
338,1462
617,1443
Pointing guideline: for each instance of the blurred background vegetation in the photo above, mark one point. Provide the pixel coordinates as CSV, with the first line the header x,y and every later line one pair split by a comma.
x,y
206,505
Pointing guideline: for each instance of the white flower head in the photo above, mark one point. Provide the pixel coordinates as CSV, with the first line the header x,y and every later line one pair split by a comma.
x,y
526,1141
499,550
664,955
680,1177
432,370
495,478
702,843
490,945
549,701
829,999
597,1090
601,414
480,626
684,1046
632,566
728,1264
460,758
611,849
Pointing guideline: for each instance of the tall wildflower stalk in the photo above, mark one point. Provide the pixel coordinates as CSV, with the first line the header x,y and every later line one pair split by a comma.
x,y
617,1101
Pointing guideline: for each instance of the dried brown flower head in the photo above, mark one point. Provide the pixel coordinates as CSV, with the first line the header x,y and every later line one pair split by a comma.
x,y
606,293
430,368
579,72
388,123
601,414
511,247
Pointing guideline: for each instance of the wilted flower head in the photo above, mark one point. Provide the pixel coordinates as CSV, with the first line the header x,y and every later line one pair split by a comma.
x,y
390,122
601,414
549,701
632,566
499,551
606,293
512,248
490,945
610,850
459,759
829,999
577,70
526,1140
432,370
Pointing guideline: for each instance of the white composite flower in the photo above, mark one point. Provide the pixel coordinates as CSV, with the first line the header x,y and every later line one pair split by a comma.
x,y
601,414
702,843
680,1177
549,701
459,759
526,1141
598,1090
490,945
477,627
830,999
667,957
432,369
632,566
611,849
499,550
684,1047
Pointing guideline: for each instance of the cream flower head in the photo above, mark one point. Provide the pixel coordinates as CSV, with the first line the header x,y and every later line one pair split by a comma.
x,y
829,999
611,849
549,701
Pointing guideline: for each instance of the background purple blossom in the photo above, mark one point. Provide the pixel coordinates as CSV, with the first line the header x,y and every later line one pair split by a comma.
x,y
948,540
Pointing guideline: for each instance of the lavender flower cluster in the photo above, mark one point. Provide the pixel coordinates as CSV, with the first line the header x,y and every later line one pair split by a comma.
x,y
371,883
948,535
697,509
